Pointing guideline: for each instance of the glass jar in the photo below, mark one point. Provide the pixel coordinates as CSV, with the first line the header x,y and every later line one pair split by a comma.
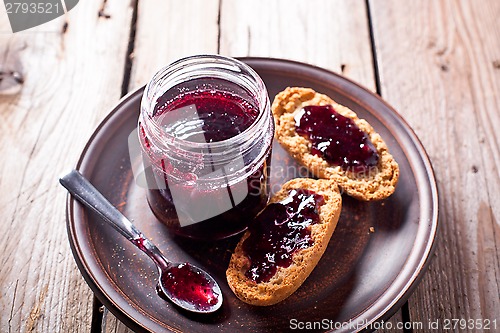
x,y
206,134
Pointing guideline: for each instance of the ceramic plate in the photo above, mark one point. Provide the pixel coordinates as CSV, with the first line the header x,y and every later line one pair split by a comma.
x,y
374,261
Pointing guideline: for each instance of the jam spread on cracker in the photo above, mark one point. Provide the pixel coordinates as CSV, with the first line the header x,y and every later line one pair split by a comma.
x,y
280,230
336,138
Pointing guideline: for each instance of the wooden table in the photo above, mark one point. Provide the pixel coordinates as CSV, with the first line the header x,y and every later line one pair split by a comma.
x,y
436,62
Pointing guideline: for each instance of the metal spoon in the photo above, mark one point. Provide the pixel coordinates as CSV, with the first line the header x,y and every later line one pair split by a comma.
x,y
186,285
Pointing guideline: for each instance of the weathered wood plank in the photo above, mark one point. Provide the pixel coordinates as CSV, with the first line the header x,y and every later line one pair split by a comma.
x,y
112,325
330,34
439,66
167,30
71,79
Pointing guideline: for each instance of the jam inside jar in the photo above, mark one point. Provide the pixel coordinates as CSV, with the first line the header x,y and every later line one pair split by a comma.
x,y
206,134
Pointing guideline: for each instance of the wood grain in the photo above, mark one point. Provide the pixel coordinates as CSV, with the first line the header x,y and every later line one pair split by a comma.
x,y
70,82
167,30
439,68
112,325
330,34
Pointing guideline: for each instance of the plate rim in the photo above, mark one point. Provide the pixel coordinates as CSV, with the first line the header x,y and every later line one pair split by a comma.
x,y
390,308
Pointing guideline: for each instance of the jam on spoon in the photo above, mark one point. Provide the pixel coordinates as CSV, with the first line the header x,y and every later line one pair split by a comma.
x,y
280,230
186,285
184,282
336,138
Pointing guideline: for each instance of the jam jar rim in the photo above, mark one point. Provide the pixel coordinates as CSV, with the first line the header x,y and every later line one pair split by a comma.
x,y
224,62
261,131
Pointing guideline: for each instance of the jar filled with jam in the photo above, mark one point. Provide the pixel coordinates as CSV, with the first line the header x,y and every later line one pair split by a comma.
x,y
206,134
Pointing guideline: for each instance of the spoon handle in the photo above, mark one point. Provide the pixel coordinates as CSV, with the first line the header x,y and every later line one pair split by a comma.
x,y
88,195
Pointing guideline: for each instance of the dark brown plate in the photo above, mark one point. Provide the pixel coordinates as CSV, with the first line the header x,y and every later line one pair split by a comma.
x,y
363,277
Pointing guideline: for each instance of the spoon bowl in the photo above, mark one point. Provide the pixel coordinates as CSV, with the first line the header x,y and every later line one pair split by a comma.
x,y
202,293
184,284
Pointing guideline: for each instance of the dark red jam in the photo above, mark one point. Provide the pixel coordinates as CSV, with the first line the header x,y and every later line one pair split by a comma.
x,y
280,230
184,283
219,115
190,286
336,138
231,222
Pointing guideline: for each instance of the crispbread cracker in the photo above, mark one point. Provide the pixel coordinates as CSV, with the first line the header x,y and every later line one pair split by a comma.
x,y
375,184
288,280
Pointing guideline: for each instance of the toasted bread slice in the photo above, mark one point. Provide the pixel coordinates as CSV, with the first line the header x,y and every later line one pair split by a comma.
x,y
375,184
287,280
